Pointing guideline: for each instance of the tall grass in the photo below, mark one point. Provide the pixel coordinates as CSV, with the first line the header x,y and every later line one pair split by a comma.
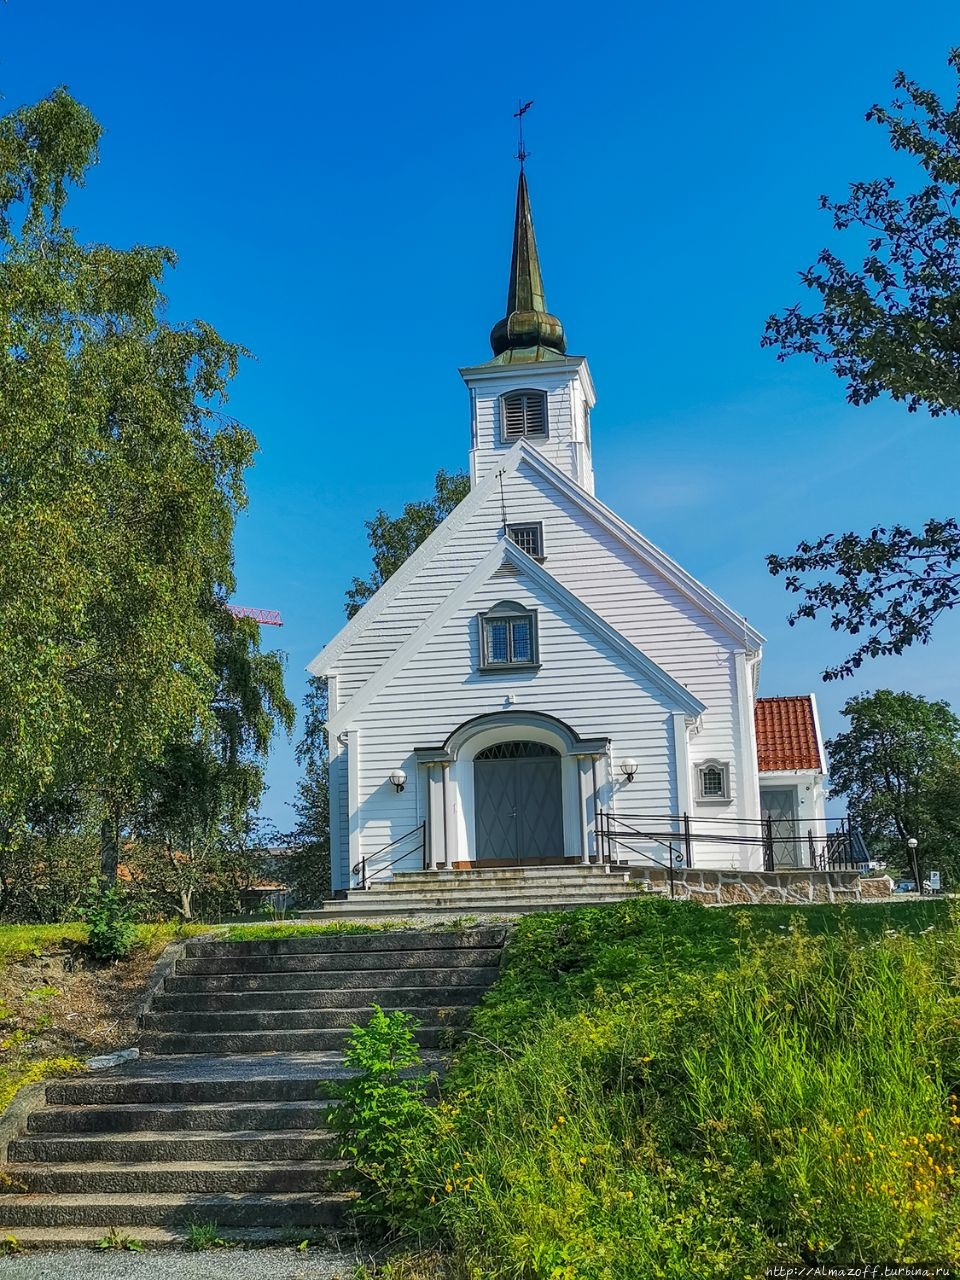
x,y
653,1091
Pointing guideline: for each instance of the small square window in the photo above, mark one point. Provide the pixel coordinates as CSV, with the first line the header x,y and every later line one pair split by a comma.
x,y
508,637
714,781
528,537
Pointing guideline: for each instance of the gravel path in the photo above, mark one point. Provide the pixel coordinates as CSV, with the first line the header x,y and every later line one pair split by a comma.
x,y
213,1264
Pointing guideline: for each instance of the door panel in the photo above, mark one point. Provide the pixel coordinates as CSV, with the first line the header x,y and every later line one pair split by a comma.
x,y
780,805
539,808
495,798
518,802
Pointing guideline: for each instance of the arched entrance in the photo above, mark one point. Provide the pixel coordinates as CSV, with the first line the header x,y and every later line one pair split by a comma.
x,y
518,802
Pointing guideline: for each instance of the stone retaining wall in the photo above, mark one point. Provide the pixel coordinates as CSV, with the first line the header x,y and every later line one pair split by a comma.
x,y
732,888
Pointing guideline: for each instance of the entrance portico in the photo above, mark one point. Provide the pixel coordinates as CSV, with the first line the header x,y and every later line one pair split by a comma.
x,y
512,788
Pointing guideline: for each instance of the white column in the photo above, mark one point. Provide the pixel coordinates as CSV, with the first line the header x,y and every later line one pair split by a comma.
x,y
585,771
450,842
748,776
435,840
681,757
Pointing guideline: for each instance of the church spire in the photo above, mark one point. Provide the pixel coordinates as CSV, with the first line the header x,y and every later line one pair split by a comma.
x,y
527,332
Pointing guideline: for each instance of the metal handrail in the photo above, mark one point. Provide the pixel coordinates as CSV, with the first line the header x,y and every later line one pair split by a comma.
x,y
836,849
361,867
606,836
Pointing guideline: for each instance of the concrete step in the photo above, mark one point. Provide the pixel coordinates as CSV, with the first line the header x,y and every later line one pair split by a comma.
x,y
227,1117
370,903
63,1238
325,998
302,1209
228,1042
212,1023
320,961
456,895
115,1092
538,878
256,1145
340,980
183,1177
386,940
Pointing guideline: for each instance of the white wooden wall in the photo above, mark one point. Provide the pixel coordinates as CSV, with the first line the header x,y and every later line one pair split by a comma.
x,y
441,687
566,445
582,681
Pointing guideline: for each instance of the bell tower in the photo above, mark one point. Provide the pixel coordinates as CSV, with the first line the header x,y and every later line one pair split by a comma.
x,y
531,389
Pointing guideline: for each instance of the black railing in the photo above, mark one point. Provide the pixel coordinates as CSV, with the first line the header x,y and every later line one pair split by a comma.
x,y
801,844
418,838
614,830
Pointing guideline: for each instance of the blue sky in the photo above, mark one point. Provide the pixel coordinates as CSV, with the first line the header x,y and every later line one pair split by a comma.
x,y
338,183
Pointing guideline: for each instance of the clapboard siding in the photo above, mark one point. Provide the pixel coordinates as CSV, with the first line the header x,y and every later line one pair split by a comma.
x,y
582,681
647,609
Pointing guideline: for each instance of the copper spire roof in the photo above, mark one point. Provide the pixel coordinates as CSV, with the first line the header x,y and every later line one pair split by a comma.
x,y
527,332
787,736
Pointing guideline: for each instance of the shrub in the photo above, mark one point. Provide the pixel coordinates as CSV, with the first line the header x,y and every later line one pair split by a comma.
x,y
383,1116
111,931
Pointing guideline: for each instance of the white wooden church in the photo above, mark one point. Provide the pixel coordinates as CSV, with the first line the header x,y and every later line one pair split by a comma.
x,y
540,684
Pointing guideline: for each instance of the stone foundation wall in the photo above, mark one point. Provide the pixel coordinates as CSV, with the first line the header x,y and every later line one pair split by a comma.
x,y
735,888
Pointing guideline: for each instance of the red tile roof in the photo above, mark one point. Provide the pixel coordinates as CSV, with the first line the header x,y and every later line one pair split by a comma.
x,y
787,734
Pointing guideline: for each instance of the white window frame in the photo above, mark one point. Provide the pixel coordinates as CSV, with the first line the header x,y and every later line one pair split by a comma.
x,y
528,524
529,393
702,767
509,611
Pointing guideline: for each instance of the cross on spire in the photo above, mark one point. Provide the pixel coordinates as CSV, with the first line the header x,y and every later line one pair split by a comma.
x,y
522,109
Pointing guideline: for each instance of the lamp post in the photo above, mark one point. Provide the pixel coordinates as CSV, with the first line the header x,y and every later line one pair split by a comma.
x,y
912,846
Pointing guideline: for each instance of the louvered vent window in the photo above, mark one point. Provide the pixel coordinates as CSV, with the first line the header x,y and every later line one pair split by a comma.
x,y
508,637
529,538
524,413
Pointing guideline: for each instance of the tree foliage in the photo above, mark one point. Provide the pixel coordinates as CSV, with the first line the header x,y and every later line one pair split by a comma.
x,y
393,539
888,325
891,585
121,672
898,764
308,860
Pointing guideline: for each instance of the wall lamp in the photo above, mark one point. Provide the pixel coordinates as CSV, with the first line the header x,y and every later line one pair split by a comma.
x,y
629,768
399,779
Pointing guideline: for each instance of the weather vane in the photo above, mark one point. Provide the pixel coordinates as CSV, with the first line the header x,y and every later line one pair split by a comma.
x,y
523,108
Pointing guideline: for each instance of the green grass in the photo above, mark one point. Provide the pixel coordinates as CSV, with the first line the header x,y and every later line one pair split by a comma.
x,y
256,932
660,1089
22,940
868,918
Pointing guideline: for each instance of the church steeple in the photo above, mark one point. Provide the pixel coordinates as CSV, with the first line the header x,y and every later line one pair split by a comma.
x,y
528,332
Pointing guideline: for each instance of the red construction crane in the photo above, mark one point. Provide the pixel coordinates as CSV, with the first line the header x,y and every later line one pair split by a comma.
x,y
266,617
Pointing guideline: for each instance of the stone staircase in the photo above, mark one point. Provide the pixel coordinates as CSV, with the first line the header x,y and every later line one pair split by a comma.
x,y
484,892
223,1118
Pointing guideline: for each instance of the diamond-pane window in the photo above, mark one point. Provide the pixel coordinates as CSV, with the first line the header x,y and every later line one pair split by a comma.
x,y
508,637
520,646
497,648
523,413
528,537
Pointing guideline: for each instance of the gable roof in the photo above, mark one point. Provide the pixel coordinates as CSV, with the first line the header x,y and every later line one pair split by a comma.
x,y
507,552
788,734
732,622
